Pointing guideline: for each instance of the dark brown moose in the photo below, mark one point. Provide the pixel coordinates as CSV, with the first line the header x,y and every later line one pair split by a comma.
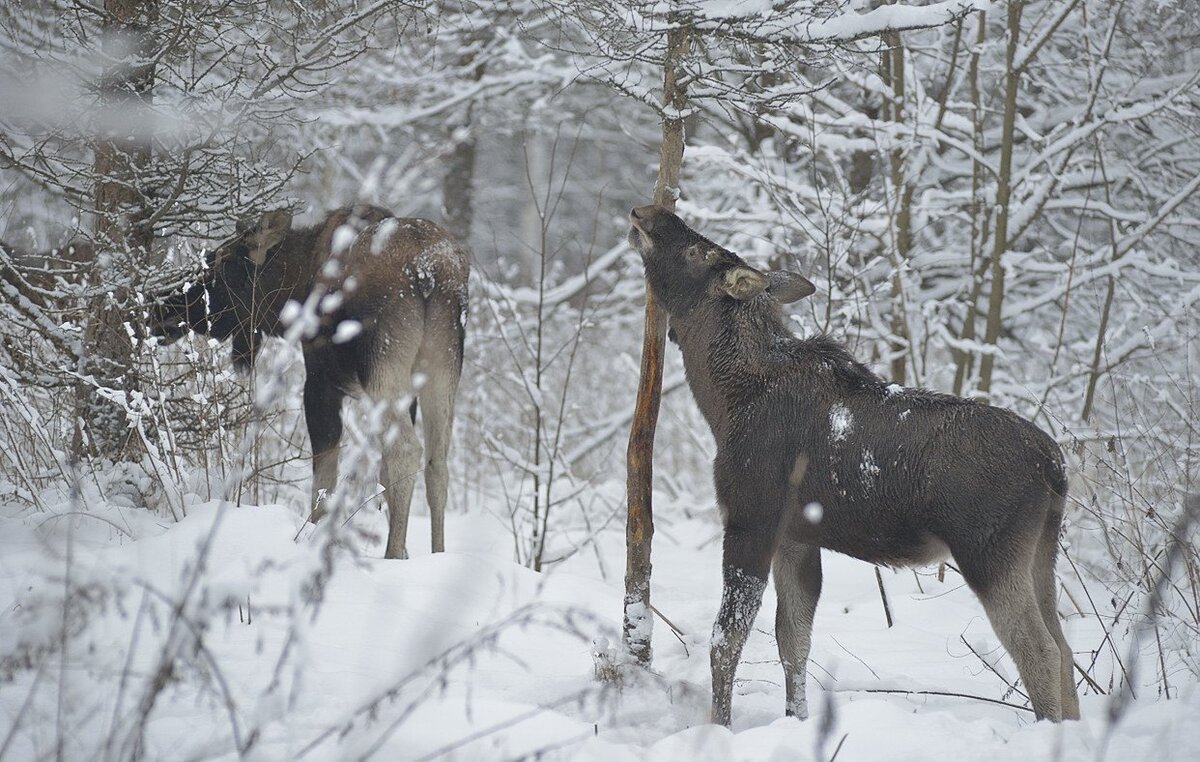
x,y
816,451
390,298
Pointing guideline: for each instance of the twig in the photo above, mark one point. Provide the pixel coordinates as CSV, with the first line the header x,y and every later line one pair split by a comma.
x,y
856,657
437,667
986,663
838,748
887,609
462,741
938,693
16,722
86,515
1088,679
678,633
1088,594
1120,699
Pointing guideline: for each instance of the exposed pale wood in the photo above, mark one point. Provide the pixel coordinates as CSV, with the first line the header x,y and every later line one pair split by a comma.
x,y
639,458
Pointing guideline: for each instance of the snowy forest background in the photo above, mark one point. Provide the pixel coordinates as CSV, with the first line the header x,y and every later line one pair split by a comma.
x,y
995,199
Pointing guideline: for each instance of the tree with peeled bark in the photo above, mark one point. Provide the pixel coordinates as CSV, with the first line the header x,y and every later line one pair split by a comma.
x,y
619,45
639,529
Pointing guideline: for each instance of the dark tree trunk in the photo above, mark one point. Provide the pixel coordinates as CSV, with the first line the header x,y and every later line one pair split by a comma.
x,y
457,182
122,223
892,71
1012,81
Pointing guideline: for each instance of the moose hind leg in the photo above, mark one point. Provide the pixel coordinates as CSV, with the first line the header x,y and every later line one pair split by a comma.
x,y
1013,609
1046,587
440,361
747,560
388,382
401,461
437,418
797,586
323,417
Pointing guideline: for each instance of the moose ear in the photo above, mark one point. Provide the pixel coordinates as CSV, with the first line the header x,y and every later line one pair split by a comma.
x,y
788,287
271,229
744,283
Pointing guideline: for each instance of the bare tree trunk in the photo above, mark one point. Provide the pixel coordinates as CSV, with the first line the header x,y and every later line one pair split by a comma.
x,y
123,228
964,359
1003,193
458,182
901,213
1106,310
862,163
639,458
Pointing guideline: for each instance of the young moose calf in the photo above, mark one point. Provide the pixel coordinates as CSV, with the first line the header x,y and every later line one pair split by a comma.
x,y
391,295
902,476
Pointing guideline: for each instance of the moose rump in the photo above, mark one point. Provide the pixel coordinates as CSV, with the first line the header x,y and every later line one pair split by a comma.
x,y
389,299
816,451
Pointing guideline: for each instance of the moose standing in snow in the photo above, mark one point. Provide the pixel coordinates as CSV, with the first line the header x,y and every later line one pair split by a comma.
x,y
816,451
391,298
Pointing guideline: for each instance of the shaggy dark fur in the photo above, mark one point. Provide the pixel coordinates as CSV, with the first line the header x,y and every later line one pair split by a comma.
x,y
816,451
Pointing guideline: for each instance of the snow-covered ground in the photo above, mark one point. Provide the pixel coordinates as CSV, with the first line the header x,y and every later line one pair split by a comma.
x,y
466,655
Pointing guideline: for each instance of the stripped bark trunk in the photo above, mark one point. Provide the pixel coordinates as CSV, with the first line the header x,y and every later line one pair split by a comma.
x,y
124,232
1003,193
639,458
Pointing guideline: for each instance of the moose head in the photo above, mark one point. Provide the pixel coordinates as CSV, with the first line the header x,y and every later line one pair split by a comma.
x,y
239,289
684,268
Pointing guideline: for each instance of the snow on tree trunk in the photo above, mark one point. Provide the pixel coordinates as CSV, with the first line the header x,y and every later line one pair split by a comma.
x,y
123,228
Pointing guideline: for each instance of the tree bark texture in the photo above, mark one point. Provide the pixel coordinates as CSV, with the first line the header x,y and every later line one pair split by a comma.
x,y
963,359
124,234
458,181
639,529
1003,194
893,74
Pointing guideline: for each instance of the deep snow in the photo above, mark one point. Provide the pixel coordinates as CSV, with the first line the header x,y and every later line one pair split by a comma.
x,y
397,629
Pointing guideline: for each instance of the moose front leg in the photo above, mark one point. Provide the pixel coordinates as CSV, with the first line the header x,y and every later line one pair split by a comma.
x,y
323,415
747,558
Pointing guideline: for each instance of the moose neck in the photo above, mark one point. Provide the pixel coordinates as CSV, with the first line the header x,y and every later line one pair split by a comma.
x,y
288,273
732,351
